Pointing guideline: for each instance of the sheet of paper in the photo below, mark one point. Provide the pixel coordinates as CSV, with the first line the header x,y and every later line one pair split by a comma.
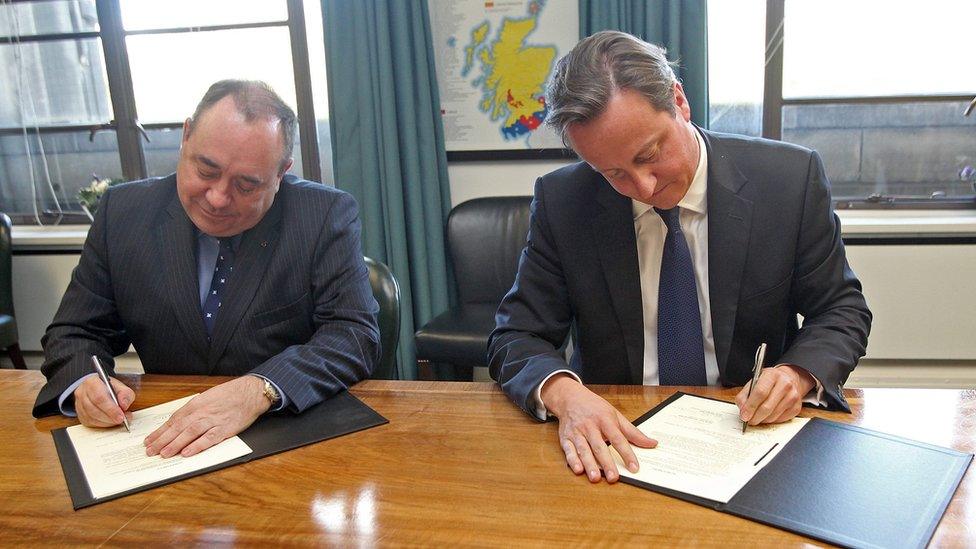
x,y
701,448
115,461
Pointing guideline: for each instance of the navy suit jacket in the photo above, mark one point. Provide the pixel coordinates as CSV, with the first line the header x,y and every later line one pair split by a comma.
x,y
297,310
774,251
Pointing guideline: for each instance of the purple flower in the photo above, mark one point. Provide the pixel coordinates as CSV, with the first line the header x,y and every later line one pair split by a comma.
x,y
968,173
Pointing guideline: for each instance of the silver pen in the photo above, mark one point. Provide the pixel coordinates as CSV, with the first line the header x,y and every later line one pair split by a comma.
x,y
756,370
108,386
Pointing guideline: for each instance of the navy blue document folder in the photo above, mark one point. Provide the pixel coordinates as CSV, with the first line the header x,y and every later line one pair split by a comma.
x,y
270,434
845,485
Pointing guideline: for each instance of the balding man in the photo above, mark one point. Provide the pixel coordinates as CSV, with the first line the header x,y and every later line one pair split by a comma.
x,y
228,267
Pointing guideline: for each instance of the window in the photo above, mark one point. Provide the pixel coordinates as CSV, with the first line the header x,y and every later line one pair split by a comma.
x,y
877,88
66,114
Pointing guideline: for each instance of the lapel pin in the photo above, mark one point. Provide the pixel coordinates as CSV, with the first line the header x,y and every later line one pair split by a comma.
x,y
264,243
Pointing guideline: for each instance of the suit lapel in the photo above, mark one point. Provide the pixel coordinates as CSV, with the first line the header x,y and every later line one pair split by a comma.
x,y
176,245
729,222
252,258
614,238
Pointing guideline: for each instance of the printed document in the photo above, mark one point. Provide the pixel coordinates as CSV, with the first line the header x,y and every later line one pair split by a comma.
x,y
115,461
701,449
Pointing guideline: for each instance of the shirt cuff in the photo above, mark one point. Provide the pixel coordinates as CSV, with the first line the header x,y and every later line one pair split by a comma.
x,y
282,397
540,409
816,395
66,402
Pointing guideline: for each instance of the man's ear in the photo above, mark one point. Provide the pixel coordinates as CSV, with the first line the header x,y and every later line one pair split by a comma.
x,y
187,127
285,166
681,106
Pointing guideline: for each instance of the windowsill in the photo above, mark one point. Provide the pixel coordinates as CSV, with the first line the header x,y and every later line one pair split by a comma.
x,y
60,237
907,223
859,223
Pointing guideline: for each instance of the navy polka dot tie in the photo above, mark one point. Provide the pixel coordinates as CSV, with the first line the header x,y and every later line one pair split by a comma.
x,y
680,350
222,269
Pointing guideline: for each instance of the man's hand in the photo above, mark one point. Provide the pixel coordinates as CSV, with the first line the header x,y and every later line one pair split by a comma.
x,y
777,396
586,423
95,408
210,417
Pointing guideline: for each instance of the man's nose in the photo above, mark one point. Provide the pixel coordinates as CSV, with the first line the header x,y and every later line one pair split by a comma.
x,y
218,195
647,181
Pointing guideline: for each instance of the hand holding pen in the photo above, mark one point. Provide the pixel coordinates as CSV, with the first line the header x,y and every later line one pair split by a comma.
x,y
101,401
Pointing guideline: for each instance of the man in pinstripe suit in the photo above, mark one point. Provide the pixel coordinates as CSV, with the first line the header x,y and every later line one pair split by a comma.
x,y
227,267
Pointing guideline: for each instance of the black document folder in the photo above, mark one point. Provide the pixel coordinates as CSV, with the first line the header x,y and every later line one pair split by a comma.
x,y
271,434
845,485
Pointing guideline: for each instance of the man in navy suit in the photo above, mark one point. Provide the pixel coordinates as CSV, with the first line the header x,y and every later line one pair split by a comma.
x,y
672,253
227,267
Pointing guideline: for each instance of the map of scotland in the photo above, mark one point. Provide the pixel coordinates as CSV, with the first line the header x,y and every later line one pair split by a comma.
x,y
493,61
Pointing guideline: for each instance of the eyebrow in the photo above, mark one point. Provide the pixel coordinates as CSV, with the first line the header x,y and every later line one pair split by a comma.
x,y
643,150
254,180
209,162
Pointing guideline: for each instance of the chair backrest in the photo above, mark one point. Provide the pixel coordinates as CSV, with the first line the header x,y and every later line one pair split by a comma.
x,y
486,237
6,274
386,291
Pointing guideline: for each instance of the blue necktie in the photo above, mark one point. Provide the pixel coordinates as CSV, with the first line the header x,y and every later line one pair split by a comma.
x,y
680,351
222,268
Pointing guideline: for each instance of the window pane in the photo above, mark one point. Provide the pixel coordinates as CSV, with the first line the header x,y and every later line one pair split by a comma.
x,y
171,72
53,83
914,149
58,165
140,14
53,17
162,151
736,32
320,88
836,48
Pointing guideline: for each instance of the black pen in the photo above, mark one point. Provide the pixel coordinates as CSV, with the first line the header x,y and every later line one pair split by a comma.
x,y
756,370
108,386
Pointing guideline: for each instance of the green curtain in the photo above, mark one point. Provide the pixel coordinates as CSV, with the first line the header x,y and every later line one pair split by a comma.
x,y
678,25
389,148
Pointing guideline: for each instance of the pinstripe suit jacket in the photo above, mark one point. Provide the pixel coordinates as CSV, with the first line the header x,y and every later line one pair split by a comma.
x,y
298,310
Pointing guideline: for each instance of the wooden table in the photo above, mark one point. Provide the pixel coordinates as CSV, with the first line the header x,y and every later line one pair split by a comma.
x,y
458,465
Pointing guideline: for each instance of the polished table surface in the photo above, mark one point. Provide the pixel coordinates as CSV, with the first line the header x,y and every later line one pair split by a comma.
x,y
457,465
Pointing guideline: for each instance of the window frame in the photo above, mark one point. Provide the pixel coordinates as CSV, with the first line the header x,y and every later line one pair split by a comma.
x,y
125,122
772,116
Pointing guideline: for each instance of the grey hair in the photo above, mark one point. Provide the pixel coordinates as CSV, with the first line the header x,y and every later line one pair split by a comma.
x,y
255,100
587,77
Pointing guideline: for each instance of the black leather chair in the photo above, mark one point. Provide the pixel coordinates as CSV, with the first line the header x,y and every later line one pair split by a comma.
x,y
485,237
386,291
8,324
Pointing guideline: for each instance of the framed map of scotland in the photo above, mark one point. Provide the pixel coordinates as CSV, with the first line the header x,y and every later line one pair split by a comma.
x,y
493,60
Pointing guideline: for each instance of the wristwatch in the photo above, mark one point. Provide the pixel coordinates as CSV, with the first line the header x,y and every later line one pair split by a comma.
x,y
272,394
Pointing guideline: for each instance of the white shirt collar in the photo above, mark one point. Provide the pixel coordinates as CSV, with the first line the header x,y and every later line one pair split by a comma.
x,y
694,199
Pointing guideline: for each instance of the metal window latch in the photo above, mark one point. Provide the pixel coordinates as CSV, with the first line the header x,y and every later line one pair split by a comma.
x,y
113,125
99,127
142,130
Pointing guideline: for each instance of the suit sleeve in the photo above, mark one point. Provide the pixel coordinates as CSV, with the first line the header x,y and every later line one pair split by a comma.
x,y
87,322
533,319
346,344
827,293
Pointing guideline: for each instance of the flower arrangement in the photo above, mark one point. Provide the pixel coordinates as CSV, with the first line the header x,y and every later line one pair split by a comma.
x,y
89,196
